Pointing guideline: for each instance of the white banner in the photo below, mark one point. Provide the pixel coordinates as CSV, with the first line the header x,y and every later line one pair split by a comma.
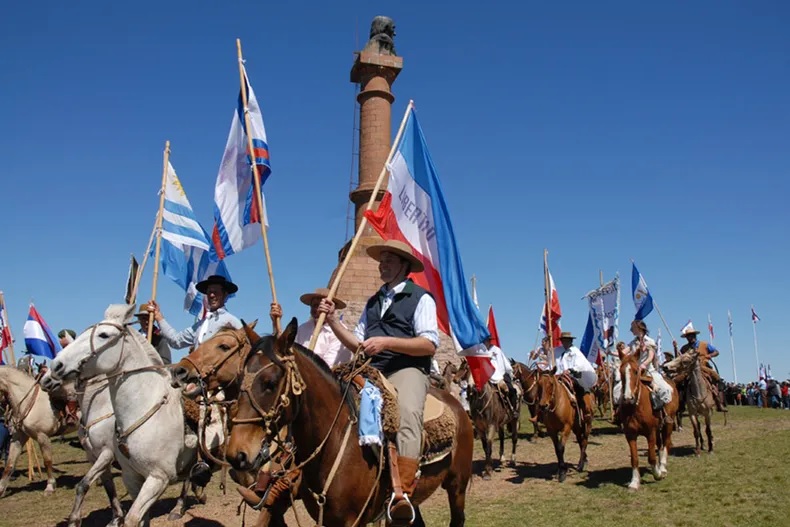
x,y
605,315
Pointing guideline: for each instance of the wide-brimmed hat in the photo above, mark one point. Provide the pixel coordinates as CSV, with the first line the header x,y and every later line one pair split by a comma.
x,y
689,330
566,335
226,284
321,292
397,247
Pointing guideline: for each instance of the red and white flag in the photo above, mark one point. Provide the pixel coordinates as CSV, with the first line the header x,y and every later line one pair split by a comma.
x,y
556,314
492,327
710,328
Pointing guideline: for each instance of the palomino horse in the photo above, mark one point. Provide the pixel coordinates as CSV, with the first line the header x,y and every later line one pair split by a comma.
x,y
639,418
528,378
96,432
699,399
150,443
32,417
561,417
490,414
286,385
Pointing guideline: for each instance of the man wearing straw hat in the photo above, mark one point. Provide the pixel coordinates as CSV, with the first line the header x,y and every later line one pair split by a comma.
x,y
706,352
328,346
399,332
217,288
574,368
160,344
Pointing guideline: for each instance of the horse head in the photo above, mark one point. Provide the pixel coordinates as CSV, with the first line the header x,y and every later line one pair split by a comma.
x,y
99,349
217,362
630,374
547,383
461,372
268,399
682,363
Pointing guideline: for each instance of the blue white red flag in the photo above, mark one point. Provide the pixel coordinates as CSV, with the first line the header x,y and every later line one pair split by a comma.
x,y
755,318
556,314
39,339
414,211
185,253
236,212
643,300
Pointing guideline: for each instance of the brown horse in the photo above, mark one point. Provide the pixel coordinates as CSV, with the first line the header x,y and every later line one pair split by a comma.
x,y
697,395
528,378
561,417
286,385
602,389
639,418
490,413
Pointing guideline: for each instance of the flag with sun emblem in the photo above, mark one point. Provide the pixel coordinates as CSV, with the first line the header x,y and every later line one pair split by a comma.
x,y
643,301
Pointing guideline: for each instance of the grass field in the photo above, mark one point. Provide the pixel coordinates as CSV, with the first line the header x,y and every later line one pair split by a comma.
x,y
744,483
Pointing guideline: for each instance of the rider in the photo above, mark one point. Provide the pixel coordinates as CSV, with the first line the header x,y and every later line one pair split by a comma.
x,y
217,289
398,330
645,348
327,346
574,368
541,355
706,352
502,378
160,344
66,337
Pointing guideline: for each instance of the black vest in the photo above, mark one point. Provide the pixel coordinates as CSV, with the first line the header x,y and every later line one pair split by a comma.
x,y
396,322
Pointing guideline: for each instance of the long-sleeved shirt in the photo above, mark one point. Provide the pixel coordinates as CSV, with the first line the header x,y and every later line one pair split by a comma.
x,y
200,331
574,360
501,364
328,346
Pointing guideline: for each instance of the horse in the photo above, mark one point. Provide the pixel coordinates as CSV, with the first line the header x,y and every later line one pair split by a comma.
x,y
561,416
528,378
32,417
490,413
602,389
638,417
699,398
96,431
150,443
287,385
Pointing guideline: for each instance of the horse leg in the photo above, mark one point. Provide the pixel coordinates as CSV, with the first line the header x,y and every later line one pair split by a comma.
x,y
501,444
181,503
634,485
582,437
697,434
709,432
663,453
149,493
99,464
418,521
115,503
14,450
46,453
652,459
514,440
456,495
484,438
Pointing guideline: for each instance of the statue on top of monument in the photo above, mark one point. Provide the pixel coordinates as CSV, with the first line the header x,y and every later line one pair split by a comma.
x,y
382,36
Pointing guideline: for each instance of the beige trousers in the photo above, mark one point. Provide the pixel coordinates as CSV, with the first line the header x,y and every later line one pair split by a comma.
x,y
412,386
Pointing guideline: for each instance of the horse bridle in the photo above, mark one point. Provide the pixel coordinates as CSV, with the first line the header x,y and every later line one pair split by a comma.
x,y
214,368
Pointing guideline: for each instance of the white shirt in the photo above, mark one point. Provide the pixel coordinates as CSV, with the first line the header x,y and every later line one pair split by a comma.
x,y
424,321
637,348
435,367
501,364
327,346
200,331
574,359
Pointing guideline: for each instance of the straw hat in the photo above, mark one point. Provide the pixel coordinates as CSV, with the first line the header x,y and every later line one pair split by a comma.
x,y
566,335
321,292
396,247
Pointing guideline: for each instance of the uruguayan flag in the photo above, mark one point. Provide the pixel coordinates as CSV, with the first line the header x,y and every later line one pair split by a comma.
x,y
185,244
642,299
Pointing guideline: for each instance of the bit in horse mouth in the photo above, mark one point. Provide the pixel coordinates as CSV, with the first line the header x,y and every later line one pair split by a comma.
x,y
191,390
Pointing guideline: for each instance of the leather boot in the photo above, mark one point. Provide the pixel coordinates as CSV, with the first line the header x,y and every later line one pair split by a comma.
x,y
401,511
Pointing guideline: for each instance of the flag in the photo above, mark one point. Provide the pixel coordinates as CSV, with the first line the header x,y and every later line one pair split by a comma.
x,y
601,330
492,327
185,253
39,339
755,318
414,211
556,314
5,331
236,212
643,300
131,281
659,358
729,321
688,327
710,328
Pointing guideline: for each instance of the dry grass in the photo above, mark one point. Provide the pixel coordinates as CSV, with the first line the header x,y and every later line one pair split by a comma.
x,y
743,483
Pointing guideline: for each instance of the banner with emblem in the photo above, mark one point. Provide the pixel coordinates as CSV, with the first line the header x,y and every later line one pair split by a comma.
x,y
603,319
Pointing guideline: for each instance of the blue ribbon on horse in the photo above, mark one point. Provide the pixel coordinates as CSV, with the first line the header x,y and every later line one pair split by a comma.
x,y
370,404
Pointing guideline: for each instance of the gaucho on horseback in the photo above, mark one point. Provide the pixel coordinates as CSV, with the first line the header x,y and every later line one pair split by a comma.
x,y
399,331
575,370
706,352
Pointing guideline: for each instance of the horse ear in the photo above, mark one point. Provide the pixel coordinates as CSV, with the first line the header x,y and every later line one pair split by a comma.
x,y
287,337
248,330
554,370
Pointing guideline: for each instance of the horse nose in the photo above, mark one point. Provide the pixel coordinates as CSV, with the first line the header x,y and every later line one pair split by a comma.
x,y
57,367
239,461
180,373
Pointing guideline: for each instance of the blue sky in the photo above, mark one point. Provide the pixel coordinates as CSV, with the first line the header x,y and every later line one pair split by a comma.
x,y
602,131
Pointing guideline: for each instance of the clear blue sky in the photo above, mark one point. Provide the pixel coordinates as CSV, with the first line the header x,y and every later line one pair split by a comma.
x,y
602,131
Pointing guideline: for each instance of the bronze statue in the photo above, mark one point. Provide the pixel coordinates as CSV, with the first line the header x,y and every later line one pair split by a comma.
x,y
382,36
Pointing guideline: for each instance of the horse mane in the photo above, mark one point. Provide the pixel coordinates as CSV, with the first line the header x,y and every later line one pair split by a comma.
x,y
14,375
266,345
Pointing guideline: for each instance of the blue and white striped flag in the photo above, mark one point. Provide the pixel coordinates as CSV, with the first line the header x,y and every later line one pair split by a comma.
x,y
643,301
185,245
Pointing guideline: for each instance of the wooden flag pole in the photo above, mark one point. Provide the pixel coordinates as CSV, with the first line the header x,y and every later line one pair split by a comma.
x,y
257,179
145,260
362,224
5,322
549,330
158,230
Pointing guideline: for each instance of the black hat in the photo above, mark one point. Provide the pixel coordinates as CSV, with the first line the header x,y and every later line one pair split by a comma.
x,y
226,284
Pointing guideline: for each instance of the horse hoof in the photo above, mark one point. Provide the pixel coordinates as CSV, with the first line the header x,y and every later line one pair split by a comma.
x,y
487,476
49,492
561,476
633,487
173,516
580,467
203,499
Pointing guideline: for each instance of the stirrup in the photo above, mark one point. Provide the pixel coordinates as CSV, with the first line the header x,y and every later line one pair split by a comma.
x,y
408,502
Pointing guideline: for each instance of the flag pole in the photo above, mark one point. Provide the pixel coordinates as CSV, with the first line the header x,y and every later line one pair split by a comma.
x,y
732,348
549,331
257,179
158,230
145,260
756,355
362,224
5,322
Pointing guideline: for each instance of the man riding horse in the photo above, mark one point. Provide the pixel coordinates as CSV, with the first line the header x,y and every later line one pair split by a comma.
x,y
706,352
399,331
502,378
575,370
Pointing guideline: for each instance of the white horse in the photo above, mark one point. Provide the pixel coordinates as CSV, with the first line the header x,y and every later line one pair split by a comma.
x,y
32,417
150,441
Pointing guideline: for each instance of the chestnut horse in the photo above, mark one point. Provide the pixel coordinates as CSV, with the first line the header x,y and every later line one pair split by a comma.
x,y
490,414
528,378
602,389
287,385
639,418
561,416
